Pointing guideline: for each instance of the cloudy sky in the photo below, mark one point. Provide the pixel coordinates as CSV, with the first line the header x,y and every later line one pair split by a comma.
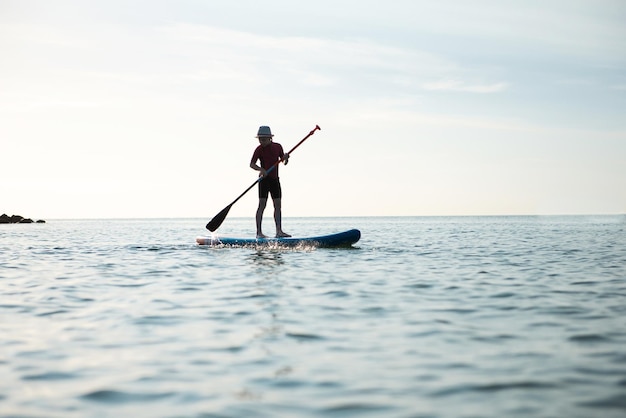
x,y
113,108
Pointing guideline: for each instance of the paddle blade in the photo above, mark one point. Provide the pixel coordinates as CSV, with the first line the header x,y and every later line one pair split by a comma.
x,y
218,219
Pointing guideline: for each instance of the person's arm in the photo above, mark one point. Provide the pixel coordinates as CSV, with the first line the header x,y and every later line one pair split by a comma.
x,y
283,156
255,166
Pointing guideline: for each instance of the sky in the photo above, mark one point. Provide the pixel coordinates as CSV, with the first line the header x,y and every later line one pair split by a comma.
x,y
148,108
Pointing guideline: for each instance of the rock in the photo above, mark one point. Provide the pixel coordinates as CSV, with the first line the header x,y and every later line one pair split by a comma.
x,y
17,219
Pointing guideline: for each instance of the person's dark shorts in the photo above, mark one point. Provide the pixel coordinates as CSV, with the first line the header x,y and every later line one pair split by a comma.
x,y
270,186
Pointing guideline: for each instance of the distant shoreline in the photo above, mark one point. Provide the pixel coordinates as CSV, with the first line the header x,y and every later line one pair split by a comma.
x,y
18,219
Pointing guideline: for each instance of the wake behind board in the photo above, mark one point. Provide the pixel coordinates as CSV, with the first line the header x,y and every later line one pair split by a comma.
x,y
341,239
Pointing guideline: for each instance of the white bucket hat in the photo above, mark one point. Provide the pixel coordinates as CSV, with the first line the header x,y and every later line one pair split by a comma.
x,y
264,132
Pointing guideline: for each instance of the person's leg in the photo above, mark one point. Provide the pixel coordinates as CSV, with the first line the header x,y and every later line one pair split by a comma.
x,y
276,192
259,217
278,218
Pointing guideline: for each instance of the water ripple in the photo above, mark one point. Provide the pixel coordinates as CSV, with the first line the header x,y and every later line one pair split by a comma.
x,y
115,396
495,387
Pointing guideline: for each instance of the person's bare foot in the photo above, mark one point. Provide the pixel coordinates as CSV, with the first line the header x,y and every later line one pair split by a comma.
x,y
261,235
282,234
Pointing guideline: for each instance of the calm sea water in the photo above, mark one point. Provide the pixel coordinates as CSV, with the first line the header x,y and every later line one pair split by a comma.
x,y
424,317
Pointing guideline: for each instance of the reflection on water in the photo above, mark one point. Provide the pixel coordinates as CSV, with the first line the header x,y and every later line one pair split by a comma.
x,y
267,257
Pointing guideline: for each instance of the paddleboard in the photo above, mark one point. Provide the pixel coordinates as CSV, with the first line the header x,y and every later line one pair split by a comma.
x,y
341,239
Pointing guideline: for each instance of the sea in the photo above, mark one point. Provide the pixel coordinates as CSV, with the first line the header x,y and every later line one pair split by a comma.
x,y
513,316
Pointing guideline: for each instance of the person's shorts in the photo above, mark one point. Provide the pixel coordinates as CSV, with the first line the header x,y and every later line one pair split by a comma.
x,y
270,186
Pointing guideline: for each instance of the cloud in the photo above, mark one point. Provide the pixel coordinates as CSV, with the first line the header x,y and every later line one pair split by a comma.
x,y
456,85
348,67
40,34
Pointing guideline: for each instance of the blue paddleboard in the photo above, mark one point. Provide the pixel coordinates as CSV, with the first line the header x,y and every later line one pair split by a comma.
x,y
341,239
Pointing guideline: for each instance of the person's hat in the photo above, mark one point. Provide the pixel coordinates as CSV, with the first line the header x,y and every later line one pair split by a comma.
x,y
264,132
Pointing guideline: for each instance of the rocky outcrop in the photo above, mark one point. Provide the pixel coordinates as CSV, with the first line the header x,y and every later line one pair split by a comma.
x,y
17,219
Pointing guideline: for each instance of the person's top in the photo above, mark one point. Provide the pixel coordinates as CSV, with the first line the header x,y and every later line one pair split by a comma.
x,y
268,156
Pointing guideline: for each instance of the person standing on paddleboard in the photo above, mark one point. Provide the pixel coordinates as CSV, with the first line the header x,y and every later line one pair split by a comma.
x,y
268,153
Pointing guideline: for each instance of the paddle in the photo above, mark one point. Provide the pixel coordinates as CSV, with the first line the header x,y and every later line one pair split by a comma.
x,y
219,218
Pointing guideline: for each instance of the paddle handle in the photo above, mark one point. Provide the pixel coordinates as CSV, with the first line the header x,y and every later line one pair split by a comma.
x,y
317,128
